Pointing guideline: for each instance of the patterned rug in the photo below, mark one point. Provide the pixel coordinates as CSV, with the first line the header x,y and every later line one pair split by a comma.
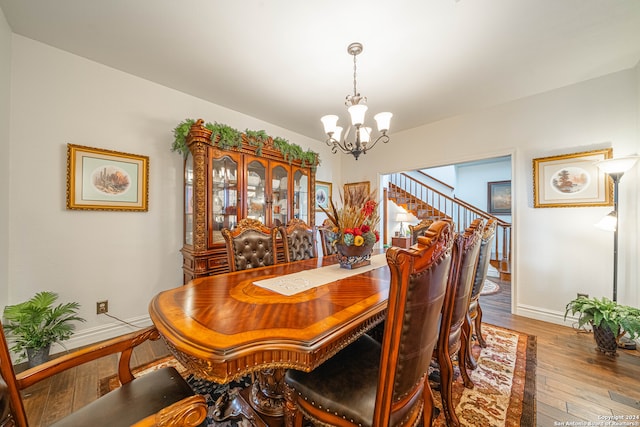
x,y
489,288
503,395
504,383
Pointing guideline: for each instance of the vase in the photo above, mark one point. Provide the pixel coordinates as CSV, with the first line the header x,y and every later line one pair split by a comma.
x,y
605,340
354,256
37,356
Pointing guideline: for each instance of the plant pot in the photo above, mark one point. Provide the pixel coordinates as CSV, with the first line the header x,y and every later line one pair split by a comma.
x,y
354,256
605,340
37,356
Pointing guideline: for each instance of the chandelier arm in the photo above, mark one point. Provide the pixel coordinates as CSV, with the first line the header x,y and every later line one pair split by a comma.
x,y
384,138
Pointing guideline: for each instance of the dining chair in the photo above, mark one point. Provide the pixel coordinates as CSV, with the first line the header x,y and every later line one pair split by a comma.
x,y
452,339
327,248
299,240
159,398
369,383
251,244
473,323
419,229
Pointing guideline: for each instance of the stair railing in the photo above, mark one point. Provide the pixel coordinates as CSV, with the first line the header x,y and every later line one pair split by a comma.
x,y
428,203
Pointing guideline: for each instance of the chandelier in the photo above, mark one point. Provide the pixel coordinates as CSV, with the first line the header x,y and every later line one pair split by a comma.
x,y
357,108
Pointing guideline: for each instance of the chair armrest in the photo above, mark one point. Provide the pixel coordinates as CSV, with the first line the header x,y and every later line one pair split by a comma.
x,y
123,344
189,412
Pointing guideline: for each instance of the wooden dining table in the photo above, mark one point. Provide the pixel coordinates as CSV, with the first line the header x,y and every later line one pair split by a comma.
x,y
225,326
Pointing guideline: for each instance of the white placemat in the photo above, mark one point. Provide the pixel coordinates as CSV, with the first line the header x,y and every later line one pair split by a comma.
x,y
301,281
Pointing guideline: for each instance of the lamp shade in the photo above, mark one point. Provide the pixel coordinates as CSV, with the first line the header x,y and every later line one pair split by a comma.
x,y
402,217
357,114
365,134
329,122
383,120
608,222
619,165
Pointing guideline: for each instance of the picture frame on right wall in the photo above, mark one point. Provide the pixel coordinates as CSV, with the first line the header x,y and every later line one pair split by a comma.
x,y
572,180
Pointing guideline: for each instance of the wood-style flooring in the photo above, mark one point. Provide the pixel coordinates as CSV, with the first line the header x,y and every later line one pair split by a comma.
x,y
576,385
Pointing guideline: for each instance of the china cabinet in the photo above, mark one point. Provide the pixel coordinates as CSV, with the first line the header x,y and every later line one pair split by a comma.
x,y
223,186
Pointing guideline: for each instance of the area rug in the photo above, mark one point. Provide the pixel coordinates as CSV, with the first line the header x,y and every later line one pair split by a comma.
x,y
503,393
504,383
489,288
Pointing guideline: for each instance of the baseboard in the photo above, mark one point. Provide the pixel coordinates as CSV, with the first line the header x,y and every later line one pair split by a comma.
x,y
544,315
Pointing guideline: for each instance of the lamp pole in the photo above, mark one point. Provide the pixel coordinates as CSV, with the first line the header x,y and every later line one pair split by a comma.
x,y
616,179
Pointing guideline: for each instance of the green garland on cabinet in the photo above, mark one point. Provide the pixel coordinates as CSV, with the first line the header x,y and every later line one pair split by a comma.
x,y
230,138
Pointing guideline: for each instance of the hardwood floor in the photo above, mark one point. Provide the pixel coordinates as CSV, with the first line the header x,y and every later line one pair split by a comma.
x,y
575,384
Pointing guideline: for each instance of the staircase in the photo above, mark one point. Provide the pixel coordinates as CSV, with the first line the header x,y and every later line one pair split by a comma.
x,y
425,202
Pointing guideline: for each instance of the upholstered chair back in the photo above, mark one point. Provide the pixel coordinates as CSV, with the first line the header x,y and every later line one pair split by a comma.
x,y
419,229
299,241
484,258
251,244
454,314
384,384
327,247
418,285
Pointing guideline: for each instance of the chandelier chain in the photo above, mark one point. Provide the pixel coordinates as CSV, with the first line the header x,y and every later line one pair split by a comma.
x,y
355,69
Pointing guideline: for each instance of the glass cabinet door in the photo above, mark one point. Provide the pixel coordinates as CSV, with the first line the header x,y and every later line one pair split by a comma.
x,y
256,197
301,195
224,195
188,200
279,195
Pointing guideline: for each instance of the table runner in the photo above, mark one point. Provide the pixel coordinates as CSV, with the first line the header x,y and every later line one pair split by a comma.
x,y
301,281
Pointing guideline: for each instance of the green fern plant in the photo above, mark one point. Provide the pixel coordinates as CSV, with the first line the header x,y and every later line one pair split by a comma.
x,y
180,133
227,136
37,323
257,138
604,313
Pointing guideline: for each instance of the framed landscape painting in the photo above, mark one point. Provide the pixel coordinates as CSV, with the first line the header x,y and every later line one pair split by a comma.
x,y
100,179
357,187
323,195
572,180
499,197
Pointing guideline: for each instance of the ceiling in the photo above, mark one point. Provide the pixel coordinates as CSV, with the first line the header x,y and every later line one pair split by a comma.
x,y
286,61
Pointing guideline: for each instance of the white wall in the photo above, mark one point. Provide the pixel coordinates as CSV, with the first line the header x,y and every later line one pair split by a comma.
x,y
125,257
558,252
5,93
473,178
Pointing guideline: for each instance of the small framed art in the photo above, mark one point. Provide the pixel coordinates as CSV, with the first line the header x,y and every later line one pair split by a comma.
x,y
323,195
100,179
572,180
499,197
357,187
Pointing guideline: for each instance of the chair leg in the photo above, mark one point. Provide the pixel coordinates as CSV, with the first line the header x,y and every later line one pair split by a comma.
x,y
468,354
446,386
292,415
429,405
478,327
465,341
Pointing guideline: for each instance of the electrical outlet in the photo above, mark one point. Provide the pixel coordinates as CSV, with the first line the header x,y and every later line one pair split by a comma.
x,y
583,295
102,307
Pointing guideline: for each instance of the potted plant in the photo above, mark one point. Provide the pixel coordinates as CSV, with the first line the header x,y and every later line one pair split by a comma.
x,y
35,324
609,320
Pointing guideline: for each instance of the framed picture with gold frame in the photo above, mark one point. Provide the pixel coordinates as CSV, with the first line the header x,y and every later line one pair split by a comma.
x,y
323,195
357,187
572,180
106,180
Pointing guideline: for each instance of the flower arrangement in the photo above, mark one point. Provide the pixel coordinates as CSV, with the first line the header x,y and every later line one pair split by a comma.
x,y
355,224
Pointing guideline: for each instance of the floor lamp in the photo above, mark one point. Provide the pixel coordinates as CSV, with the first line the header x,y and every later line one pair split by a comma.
x,y
402,217
615,168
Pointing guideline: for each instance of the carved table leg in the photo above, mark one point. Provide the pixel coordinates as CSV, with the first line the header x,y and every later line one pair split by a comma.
x,y
267,392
